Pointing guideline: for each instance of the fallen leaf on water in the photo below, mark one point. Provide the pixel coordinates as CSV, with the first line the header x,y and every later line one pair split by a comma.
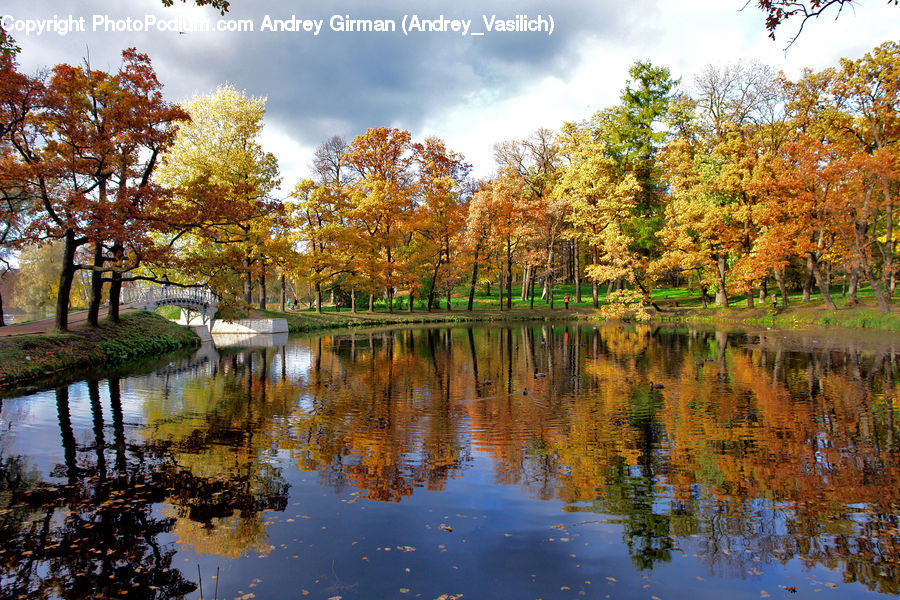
x,y
445,527
404,590
613,579
764,594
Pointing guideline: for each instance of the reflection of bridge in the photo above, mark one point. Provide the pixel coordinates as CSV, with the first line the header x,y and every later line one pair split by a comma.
x,y
193,301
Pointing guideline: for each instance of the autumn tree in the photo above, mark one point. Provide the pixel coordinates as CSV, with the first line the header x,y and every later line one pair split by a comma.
x,y
84,155
867,90
17,99
318,214
442,206
713,218
833,183
533,163
223,180
477,233
600,203
633,133
382,201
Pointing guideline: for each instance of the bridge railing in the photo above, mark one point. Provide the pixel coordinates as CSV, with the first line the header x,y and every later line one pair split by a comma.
x,y
164,294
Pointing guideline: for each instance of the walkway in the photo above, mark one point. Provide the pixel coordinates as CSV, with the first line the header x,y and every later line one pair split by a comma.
x,y
76,319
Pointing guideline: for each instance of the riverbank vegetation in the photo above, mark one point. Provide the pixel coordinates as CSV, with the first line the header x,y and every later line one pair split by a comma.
x,y
740,186
135,336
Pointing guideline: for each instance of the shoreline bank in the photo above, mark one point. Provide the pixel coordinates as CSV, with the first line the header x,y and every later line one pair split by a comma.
x,y
138,335
143,335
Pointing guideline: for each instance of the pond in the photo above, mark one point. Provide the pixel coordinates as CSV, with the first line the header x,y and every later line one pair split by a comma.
x,y
548,460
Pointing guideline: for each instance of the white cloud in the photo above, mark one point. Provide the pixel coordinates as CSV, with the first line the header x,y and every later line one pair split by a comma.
x,y
470,92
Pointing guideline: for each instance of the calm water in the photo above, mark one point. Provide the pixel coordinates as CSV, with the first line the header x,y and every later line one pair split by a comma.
x,y
546,461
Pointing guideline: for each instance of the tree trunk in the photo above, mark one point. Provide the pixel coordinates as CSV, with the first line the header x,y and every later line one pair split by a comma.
x,y
248,281
283,293
433,282
501,288
779,279
750,297
390,299
854,286
820,281
353,298
93,316
410,300
449,305
371,302
66,275
526,276
576,257
509,263
115,285
808,283
2,319
889,281
880,299
721,293
318,297
474,280
262,288
763,289
531,292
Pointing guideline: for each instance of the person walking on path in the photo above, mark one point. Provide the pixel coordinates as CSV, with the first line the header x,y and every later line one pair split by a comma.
x,y
566,301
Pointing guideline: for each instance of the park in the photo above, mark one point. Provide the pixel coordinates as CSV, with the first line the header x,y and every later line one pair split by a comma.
x,y
397,316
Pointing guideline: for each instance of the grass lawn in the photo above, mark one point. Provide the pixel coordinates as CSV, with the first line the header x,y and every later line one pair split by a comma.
x,y
137,335
678,304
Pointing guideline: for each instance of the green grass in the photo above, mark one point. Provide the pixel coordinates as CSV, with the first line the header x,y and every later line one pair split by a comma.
x,y
137,335
679,304
797,313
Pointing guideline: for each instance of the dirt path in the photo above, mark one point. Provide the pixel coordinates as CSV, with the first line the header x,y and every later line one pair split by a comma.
x,y
76,319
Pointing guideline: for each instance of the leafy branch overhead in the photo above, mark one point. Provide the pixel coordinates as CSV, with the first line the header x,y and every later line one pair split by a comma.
x,y
220,5
780,11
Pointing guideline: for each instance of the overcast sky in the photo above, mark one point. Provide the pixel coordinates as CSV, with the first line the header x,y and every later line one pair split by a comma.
x,y
470,90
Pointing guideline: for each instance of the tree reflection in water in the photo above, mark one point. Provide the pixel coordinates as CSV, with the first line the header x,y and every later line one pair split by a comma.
x,y
96,532
756,452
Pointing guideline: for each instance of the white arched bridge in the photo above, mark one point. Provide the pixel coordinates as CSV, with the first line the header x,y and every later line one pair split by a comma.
x,y
195,303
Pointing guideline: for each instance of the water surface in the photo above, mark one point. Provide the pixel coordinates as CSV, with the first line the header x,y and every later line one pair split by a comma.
x,y
543,461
